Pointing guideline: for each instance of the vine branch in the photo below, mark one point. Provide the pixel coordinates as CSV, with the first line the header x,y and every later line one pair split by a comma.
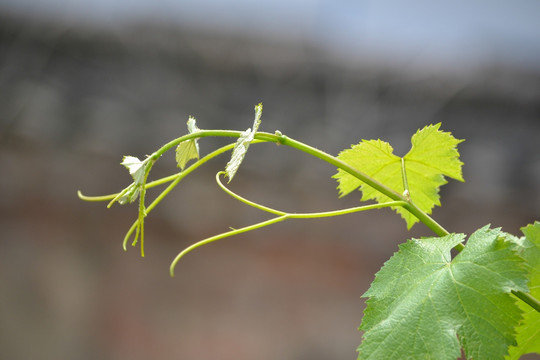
x,y
397,199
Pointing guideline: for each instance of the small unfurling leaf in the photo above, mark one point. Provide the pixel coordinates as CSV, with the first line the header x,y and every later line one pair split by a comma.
x,y
242,145
135,168
238,154
258,114
189,149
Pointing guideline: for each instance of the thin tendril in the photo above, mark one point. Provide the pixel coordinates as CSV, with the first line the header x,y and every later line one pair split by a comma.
x,y
244,200
281,217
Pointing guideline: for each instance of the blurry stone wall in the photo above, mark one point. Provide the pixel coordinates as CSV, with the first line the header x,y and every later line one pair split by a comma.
x,y
75,99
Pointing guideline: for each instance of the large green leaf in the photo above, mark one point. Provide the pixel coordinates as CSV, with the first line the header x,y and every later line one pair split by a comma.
x,y
433,155
425,305
528,337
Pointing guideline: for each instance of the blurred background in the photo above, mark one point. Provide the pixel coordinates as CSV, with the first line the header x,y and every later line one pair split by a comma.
x,y
83,83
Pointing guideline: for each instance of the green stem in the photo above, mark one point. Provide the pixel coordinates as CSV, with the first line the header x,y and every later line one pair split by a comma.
x,y
198,134
406,192
142,208
284,140
528,299
392,194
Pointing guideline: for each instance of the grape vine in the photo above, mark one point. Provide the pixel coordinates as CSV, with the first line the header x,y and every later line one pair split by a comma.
x,y
482,301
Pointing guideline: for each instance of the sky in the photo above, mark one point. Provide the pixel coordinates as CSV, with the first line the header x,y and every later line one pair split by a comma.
x,y
451,32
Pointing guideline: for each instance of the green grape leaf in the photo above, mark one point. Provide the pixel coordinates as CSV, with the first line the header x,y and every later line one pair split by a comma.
x,y
242,145
528,337
433,156
135,167
189,149
425,305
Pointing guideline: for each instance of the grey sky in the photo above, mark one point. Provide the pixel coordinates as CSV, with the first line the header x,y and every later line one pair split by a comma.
x,y
422,30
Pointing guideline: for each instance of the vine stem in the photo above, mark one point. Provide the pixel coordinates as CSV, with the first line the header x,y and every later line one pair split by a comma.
x,y
279,138
528,299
